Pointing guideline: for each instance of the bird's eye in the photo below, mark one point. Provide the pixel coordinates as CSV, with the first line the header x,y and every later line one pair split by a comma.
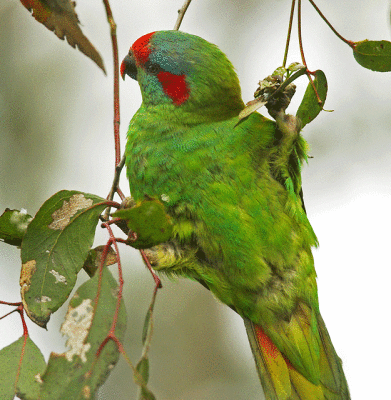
x,y
152,68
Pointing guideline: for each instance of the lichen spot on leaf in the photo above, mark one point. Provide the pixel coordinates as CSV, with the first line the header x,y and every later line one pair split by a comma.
x,y
43,299
63,215
76,326
59,278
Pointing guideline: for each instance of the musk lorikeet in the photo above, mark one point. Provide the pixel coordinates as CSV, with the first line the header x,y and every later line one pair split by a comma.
x,y
233,192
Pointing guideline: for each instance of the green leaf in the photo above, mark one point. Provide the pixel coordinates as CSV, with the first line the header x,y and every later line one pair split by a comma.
x,y
66,376
309,107
54,249
13,226
146,394
374,55
143,368
142,379
32,367
147,326
149,221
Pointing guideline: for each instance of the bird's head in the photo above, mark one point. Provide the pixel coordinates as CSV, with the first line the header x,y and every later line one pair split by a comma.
x,y
182,70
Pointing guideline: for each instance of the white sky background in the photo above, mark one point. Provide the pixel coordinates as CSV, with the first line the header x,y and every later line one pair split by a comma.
x,y
56,133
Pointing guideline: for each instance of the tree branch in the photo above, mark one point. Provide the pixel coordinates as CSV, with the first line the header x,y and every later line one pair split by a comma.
x,y
113,32
181,14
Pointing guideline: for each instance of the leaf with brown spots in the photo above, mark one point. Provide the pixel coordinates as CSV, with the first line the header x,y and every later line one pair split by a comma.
x,y
60,17
373,54
77,373
54,249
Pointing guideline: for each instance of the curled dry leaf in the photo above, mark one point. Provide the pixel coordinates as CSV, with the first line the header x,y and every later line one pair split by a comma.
x,y
60,17
252,106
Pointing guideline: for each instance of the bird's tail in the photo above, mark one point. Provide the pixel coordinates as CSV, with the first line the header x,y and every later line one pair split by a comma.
x,y
281,381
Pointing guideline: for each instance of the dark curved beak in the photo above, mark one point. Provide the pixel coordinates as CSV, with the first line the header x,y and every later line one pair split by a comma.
x,y
128,66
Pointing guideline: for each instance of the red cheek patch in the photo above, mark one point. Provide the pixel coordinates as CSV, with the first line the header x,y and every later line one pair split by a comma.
x,y
140,49
174,86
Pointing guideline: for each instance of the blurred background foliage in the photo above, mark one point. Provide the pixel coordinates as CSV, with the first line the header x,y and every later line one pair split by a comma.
x,y
56,133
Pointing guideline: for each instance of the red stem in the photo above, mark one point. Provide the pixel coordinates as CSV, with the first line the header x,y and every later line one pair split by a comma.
x,y
149,266
299,29
20,310
108,203
6,315
302,51
348,42
113,32
111,333
289,32
120,280
10,304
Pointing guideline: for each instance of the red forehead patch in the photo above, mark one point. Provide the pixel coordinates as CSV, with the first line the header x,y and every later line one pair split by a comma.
x,y
140,48
174,86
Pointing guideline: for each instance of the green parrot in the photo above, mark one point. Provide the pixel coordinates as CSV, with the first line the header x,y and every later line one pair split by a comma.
x,y
232,189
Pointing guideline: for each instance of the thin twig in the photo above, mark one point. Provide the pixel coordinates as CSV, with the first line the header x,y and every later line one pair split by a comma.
x,y
302,52
120,280
113,32
181,14
114,187
289,32
299,29
348,42
157,280
148,338
20,310
10,304
9,313
117,144
111,334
